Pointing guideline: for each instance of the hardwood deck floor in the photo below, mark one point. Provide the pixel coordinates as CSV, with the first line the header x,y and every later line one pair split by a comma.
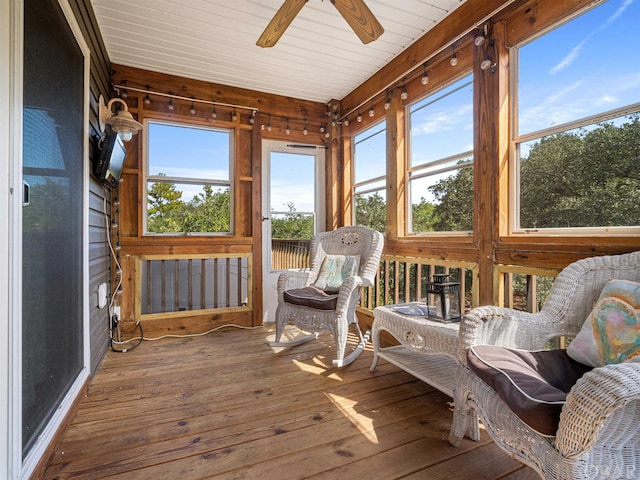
x,y
227,406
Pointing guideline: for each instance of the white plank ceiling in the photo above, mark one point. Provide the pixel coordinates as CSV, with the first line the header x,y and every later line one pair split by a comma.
x,y
318,58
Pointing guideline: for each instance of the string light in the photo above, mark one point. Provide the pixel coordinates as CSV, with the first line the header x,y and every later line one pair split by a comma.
x,y
404,95
305,131
387,101
454,60
359,118
147,100
425,76
170,107
192,109
486,63
269,124
371,111
287,130
214,113
234,115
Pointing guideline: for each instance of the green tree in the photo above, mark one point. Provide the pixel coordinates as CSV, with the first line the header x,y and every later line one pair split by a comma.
x,y
164,208
209,211
371,211
454,202
423,216
292,226
583,179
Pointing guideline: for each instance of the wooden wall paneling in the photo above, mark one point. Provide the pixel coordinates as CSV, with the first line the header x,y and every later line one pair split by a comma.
x,y
243,204
280,107
526,19
256,224
347,202
485,97
396,168
466,17
501,110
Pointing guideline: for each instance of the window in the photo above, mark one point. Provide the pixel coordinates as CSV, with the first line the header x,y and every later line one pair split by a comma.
x,y
577,125
370,166
441,160
188,179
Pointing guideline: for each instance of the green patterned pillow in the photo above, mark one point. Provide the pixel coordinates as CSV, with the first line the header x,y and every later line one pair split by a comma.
x,y
335,269
611,333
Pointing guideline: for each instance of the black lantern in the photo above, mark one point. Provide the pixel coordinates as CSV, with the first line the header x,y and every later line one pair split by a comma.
x,y
443,299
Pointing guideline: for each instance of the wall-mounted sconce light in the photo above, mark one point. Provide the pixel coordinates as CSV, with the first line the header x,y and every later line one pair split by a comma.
x,y
122,122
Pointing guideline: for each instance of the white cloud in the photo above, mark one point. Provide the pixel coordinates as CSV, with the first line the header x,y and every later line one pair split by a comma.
x,y
575,51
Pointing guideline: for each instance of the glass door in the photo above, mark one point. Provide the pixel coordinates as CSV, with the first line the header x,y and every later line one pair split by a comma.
x,y
52,215
292,211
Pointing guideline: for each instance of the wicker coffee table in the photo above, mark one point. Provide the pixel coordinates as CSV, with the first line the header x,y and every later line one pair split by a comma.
x,y
428,349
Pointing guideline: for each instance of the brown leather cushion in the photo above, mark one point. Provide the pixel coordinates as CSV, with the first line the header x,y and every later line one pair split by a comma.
x,y
534,385
312,297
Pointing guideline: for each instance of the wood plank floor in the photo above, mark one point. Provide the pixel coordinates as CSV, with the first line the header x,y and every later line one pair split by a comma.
x,y
228,406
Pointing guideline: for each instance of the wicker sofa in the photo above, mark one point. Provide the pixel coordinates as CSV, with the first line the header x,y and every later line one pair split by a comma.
x,y
598,434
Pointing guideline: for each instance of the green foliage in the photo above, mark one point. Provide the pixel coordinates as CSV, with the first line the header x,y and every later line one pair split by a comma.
x,y
583,179
371,211
423,216
294,226
208,211
571,179
454,202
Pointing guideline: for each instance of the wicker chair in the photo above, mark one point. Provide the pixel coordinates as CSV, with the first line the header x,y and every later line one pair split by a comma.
x,y
313,310
598,435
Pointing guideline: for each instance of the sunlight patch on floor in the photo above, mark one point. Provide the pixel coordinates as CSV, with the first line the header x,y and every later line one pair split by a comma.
x,y
363,423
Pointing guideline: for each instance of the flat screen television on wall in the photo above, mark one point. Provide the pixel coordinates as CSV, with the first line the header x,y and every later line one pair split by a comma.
x,y
110,159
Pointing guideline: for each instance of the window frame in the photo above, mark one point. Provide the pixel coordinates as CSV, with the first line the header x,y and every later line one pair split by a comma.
x,y
516,139
377,128
412,170
187,180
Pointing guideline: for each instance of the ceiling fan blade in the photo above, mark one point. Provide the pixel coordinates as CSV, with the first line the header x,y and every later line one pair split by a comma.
x,y
360,19
279,23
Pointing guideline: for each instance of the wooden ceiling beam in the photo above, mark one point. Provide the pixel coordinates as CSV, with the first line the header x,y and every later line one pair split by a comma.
x,y
466,17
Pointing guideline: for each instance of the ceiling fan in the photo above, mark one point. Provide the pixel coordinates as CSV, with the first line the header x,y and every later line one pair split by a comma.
x,y
355,12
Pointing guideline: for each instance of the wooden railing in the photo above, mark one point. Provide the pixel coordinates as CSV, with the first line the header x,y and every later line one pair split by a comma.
x,y
289,254
188,285
404,279
523,288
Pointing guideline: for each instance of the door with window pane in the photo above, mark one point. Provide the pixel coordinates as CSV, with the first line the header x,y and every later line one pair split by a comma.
x,y
52,215
293,211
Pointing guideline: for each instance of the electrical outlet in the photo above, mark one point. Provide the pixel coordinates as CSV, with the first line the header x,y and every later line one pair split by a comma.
x,y
102,295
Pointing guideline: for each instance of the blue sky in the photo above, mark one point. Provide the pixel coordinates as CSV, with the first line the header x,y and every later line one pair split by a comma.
x,y
588,66
292,180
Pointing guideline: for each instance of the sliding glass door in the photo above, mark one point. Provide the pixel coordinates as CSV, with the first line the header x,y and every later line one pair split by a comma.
x,y
52,215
